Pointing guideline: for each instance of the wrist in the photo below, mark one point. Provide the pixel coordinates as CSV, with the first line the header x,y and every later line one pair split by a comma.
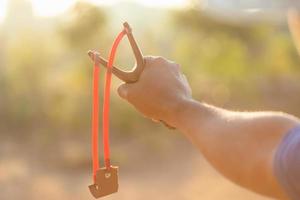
x,y
190,114
178,115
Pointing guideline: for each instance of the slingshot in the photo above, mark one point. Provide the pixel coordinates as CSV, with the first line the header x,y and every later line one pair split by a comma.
x,y
126,76
106,178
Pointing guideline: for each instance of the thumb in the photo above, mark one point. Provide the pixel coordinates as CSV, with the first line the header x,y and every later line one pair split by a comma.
x,y
123,91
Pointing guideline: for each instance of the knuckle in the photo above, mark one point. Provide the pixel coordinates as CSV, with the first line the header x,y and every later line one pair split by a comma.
x,y
160,59
154,61
148,58
177,66
174,67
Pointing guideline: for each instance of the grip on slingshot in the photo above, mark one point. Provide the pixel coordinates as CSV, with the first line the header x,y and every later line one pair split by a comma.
x,y
126,76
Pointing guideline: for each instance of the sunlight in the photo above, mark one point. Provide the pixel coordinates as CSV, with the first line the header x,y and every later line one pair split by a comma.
x,y
55,7
3,4
164,3
50,7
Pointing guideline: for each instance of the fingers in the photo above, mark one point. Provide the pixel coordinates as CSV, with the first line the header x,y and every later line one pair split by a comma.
x,y
127,91
162,63
123,91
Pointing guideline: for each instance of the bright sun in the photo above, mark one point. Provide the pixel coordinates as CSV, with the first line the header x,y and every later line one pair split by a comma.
x,y
54,7
2,8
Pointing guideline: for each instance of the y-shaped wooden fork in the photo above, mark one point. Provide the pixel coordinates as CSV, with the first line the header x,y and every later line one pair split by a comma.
x,y
127,76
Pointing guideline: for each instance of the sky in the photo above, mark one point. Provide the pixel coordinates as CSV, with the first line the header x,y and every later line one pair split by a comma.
x,y
55,7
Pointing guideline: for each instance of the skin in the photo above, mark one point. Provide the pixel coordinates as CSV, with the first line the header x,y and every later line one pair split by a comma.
x,y
240,145
294,25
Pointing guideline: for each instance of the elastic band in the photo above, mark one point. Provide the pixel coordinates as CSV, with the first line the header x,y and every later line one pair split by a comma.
x,y
105,114
107,98
95,120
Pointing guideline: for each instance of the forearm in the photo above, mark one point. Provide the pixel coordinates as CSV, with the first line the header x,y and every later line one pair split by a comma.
x,y
240,145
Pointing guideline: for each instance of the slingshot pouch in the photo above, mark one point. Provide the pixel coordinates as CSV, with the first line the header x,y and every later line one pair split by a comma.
x,y
106,182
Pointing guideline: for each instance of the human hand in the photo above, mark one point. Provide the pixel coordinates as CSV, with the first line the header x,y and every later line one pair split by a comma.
x,y
160,92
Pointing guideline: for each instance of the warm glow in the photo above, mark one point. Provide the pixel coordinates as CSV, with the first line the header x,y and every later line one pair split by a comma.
x,y
3,4
50,7
55,7
163,3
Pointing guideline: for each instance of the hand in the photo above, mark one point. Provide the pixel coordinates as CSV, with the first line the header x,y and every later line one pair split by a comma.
x,y
160,92
294,25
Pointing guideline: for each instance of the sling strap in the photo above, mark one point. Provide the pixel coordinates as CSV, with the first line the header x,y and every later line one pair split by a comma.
x,y
106,105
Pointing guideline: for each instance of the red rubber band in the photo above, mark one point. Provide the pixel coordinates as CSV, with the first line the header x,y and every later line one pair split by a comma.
x,y
95,120
106,104
106,100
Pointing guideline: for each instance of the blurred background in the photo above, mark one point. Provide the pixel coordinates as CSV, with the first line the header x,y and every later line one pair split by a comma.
x,y
238,56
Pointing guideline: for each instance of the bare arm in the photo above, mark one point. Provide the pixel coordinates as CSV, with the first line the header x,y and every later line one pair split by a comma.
x,y
240,145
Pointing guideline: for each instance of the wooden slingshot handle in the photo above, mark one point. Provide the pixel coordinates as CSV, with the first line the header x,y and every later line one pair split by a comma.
x,y
126,76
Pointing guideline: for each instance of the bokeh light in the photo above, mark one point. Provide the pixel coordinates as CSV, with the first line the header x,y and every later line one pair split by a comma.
x,y
45,98
3,5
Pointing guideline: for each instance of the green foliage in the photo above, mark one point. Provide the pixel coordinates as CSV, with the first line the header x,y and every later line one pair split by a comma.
x,y
82,25
46,74
240,57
